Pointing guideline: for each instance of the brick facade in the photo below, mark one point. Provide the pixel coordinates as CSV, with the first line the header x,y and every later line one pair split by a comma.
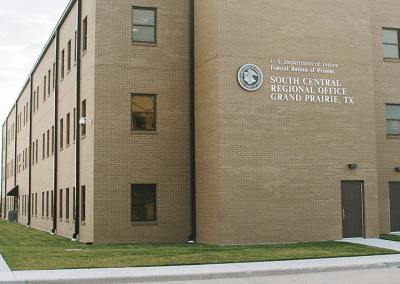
x,y
268,167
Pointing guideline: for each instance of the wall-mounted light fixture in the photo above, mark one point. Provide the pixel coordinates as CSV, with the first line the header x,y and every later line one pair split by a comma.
x,y
83,120
352,166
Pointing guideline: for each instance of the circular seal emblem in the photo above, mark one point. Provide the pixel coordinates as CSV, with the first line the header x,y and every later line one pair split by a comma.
x,y
250,77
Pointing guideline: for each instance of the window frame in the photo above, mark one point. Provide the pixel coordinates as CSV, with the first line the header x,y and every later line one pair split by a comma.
x,y
392,44
155,113
392,119
84,35
153,26
143,201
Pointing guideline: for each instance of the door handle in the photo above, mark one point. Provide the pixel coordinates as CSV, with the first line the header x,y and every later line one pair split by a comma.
x,y
343,215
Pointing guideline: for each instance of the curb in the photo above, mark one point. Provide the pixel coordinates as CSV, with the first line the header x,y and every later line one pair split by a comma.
x,y
173,276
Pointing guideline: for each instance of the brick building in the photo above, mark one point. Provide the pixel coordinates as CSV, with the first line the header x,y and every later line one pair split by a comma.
x,y
149,121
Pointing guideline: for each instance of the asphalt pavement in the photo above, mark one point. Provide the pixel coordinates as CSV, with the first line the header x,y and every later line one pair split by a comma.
x,y
212,271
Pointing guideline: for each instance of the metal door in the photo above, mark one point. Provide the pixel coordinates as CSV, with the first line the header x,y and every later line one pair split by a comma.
x,y
352,209
394,202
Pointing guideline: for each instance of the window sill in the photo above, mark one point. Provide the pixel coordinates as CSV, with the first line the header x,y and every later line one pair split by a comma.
x,y
84,52
60,220
150,223
391,60
66,221
144,132
83,223
149,44
83,136
393,136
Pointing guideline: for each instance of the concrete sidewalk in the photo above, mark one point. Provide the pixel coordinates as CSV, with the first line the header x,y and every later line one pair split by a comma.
x,y
213,271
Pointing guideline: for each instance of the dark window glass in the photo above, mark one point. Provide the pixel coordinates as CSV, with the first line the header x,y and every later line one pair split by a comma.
x,y
44,88
143,202
61,133
61,204
67,203
73,203
84,34
69,56
52,204
144,24
143,108
62,64
83,203
67,128
47,204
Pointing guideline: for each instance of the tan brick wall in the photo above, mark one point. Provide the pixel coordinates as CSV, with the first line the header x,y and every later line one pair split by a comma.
x,y
122,157
281,162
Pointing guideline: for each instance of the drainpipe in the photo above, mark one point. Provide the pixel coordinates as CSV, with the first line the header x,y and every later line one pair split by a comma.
x,y
55,145
192,237
77,126
15,150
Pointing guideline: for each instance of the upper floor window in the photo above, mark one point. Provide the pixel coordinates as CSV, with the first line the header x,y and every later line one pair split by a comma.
x,y
143,112
84,34
144,24
392,120
391,45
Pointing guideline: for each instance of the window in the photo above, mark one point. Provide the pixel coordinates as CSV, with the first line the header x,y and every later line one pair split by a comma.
x,y
47,204
33,207
37,151
69,56
52,204
392,120
34,102
61,204
84,34
74,126
27,113
67,128
52,140
23,160
44,146
143,202
48,83
35,204
391,45
75,47
73,204
143,112
61,133
42,204
54,75
44,88
48,143
83,130
33,153
62,64
144,24
67,203
37,98
83,203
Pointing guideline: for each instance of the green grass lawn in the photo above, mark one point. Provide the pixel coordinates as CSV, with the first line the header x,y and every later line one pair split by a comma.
x,y
390,237
30,249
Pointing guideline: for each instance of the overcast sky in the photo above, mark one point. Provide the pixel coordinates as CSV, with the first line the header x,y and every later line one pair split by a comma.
x,y
25,27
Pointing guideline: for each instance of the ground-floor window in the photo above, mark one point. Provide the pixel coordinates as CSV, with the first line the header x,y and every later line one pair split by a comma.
x,y
143,202
83,203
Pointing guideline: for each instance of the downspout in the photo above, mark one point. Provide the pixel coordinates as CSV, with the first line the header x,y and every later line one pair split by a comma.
x,y
77,126
192,237
15,149
55,145
30,151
